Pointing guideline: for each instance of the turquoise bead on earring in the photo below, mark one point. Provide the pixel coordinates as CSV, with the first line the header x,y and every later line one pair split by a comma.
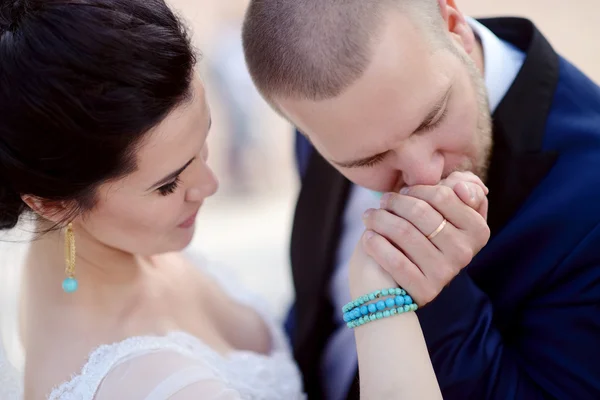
x,y
70,285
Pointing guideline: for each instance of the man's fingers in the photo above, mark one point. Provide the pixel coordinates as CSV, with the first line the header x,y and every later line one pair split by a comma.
x,y
465,176
408,238
412,211
473,196
402,270
448,204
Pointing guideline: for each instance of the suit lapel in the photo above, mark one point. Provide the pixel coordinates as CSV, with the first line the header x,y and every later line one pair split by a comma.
x,y
518,162
315,236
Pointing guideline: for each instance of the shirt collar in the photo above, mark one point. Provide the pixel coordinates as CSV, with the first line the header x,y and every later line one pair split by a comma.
x,y
501,60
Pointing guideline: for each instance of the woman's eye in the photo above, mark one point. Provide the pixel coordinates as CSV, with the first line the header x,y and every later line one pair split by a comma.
x,y
169,188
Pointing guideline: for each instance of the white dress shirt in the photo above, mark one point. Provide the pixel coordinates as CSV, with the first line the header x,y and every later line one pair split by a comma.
x,y
502,62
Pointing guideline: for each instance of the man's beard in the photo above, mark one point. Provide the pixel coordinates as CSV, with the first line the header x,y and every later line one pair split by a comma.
x,y
479,166
484,125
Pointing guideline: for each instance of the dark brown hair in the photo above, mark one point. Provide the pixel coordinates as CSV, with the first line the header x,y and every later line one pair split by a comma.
x,y
81,83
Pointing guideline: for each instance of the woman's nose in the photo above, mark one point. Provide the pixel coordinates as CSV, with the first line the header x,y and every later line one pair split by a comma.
x,y
206,185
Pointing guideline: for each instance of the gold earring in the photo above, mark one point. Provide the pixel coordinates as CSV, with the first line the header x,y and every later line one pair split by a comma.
x,y
70,283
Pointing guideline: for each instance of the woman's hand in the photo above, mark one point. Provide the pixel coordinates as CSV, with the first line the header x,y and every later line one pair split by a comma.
x,y
365,274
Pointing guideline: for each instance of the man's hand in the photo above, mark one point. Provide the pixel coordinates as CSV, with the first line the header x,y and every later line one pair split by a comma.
x,y
425,235
473,196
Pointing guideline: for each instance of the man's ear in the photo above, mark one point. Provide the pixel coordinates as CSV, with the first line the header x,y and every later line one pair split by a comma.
x,y
457,26
53,211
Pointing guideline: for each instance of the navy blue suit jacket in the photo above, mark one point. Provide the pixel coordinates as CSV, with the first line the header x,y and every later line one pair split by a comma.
x,y
522,321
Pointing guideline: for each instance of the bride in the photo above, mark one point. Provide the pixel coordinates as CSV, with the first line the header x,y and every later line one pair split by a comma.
x,y
103,143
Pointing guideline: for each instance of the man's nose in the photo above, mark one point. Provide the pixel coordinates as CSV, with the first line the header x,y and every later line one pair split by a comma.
x,y
420,166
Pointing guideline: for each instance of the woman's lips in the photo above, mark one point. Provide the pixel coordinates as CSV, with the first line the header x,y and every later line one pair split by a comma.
x,y
189,222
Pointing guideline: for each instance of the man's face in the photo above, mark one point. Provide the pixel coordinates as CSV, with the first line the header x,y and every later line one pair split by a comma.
x,y
414,117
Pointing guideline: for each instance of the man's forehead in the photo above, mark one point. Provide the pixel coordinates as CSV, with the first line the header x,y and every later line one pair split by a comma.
x,y
399,87
366,119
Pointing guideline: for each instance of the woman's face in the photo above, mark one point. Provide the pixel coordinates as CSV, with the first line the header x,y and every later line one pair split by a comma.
x,y
153,209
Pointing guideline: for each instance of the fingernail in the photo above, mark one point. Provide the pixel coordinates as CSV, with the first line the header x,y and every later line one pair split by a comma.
x,y
367,213
369,235
404,190
472,193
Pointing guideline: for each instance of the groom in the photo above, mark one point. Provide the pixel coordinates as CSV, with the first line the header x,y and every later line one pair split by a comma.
x,y
398,93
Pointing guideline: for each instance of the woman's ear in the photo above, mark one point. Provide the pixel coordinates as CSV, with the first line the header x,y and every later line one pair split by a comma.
x,y
53,211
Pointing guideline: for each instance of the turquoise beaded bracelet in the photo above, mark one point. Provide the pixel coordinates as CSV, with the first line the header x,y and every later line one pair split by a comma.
x,y
379,315
381,305
372,296
358,312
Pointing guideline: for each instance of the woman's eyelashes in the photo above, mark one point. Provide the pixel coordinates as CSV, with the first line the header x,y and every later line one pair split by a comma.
x,y
169,188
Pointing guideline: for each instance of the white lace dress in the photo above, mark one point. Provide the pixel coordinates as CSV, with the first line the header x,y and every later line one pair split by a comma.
x,y
180,366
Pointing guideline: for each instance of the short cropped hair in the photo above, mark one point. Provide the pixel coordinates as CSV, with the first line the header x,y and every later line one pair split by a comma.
x,y
314,49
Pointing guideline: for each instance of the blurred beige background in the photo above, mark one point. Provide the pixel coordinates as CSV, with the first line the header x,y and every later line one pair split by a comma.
x,y
248,230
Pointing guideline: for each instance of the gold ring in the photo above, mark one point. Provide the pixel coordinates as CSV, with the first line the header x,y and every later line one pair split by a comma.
x,y
438,230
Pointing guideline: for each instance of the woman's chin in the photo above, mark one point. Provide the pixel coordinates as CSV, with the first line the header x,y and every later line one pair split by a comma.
x,y
186,236
179,241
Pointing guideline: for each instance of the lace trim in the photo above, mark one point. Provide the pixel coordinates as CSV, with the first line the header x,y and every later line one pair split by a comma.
x,y
107,356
